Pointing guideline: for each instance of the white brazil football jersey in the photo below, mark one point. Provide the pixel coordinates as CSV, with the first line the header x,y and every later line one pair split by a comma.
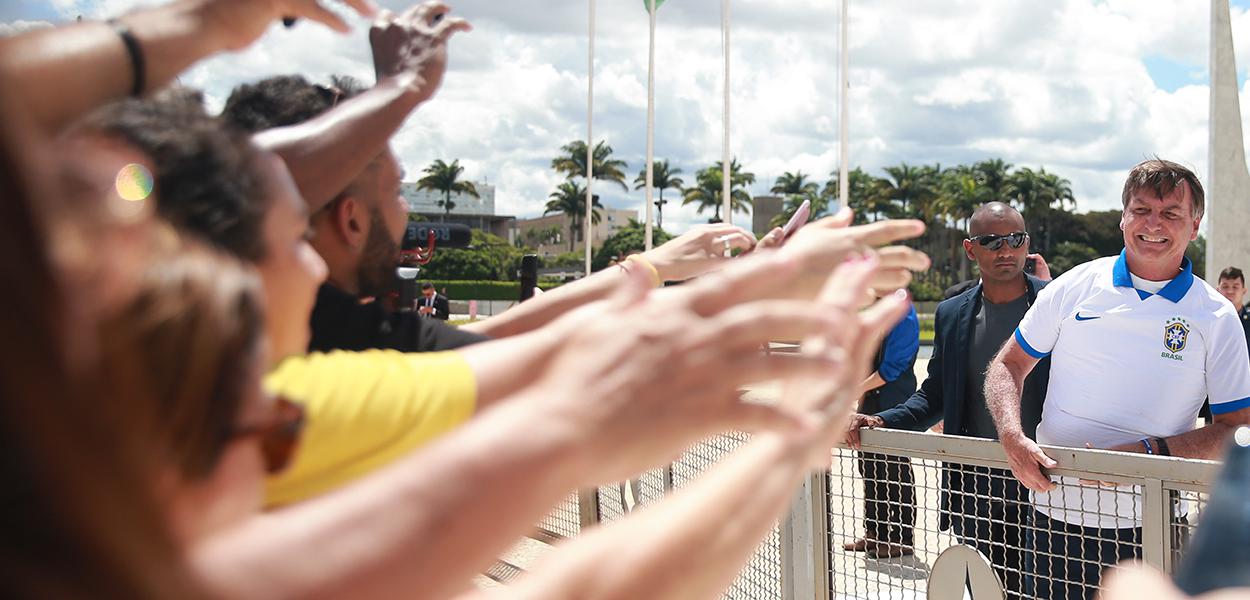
x,y
1125,365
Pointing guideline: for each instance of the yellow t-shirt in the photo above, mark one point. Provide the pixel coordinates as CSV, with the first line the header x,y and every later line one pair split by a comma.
x,y
364,410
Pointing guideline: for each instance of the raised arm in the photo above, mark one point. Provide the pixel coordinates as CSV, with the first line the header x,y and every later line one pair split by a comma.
x,y
62,73
633,381
691,254
1004,385
325,154
817,249
692,544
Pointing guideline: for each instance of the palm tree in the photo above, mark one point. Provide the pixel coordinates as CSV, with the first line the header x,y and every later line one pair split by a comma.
x,y
993,175
867,195
663,177
820,205
1028,191
541,236
795,188
709,187
443,177
570,199
572,163
926,204
1036,194
1057,189
962,191
793,184
906,185
1055,193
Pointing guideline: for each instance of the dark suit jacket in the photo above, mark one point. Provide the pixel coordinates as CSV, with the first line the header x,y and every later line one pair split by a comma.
x,y
341,322
944,393
442,308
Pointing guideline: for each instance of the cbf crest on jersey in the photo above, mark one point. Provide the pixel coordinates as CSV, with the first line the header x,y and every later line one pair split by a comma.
x,y
1175,335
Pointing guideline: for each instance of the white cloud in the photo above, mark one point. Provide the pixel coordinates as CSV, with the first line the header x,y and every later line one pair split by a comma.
x,y
15,27
1060,84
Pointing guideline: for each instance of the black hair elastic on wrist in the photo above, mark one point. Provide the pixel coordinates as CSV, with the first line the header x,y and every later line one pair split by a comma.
x,y
1163,447
137,65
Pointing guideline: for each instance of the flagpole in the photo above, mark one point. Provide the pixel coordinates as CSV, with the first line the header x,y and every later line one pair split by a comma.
x,y
650,125
844,182
726,184
590,138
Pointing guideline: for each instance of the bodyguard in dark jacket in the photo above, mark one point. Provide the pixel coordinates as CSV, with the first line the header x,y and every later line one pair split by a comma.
x,y
984,508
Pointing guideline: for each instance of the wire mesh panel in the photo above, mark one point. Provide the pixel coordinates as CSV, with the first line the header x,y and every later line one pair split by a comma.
x,y
618,500
894,508
1076,532
564,521
883,542
1184,521
761,578
890,518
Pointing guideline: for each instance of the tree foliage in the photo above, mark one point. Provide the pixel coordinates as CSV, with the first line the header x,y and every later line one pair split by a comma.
x,y
628,240
445,178
663,177
570,200
490,258
572,163
708,191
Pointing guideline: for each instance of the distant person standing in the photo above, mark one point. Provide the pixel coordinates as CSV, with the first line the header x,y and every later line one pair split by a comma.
x,y
1232,285
431,304
889,487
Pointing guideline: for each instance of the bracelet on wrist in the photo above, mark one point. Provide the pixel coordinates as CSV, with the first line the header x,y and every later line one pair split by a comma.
x,y
1162,445
1145,442
138,65
646,265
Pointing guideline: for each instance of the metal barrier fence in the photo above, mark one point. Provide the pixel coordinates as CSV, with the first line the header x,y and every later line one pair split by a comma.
x,y
922,494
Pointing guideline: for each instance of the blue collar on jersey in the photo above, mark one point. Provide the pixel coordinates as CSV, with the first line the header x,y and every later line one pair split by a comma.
x,y
1174,290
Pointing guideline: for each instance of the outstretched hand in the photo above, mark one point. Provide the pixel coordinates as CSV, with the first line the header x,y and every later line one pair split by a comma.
x,y
832,398
698,251
239,23
413,45
639,377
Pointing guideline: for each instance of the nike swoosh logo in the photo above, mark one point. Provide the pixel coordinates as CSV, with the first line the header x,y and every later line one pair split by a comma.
x,y
1080,318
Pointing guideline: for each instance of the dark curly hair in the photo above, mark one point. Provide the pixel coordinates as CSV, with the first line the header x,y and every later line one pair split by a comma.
x,y
284,100
207,180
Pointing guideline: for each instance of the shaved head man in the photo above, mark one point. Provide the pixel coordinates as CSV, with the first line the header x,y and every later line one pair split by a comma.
x,y
983,508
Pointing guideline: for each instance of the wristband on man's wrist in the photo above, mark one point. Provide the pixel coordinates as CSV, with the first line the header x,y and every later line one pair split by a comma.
x,y
1145,442
1162,445
138,66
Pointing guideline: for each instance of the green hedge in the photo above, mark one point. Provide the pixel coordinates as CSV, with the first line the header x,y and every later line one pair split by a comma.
x,y
484,290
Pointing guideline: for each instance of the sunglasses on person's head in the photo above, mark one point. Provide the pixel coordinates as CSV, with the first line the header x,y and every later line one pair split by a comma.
x,y
994,241
279,436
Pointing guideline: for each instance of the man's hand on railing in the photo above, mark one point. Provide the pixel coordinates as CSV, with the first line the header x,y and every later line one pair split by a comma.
x,y
1027,459
859,421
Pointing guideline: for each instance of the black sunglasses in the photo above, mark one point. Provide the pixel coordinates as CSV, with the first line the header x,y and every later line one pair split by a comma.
x,y
994,241
279,435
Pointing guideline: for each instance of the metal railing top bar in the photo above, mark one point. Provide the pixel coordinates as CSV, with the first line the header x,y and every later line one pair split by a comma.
x,y
1177,473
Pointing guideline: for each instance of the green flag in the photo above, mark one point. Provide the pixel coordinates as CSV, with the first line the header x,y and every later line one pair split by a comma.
x,y
646,4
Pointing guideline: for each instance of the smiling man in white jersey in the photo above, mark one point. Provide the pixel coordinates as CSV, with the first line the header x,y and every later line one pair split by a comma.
x,y
1136,343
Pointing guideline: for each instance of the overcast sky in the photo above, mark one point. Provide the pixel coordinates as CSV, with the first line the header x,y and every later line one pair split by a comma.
x,y
1085,88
